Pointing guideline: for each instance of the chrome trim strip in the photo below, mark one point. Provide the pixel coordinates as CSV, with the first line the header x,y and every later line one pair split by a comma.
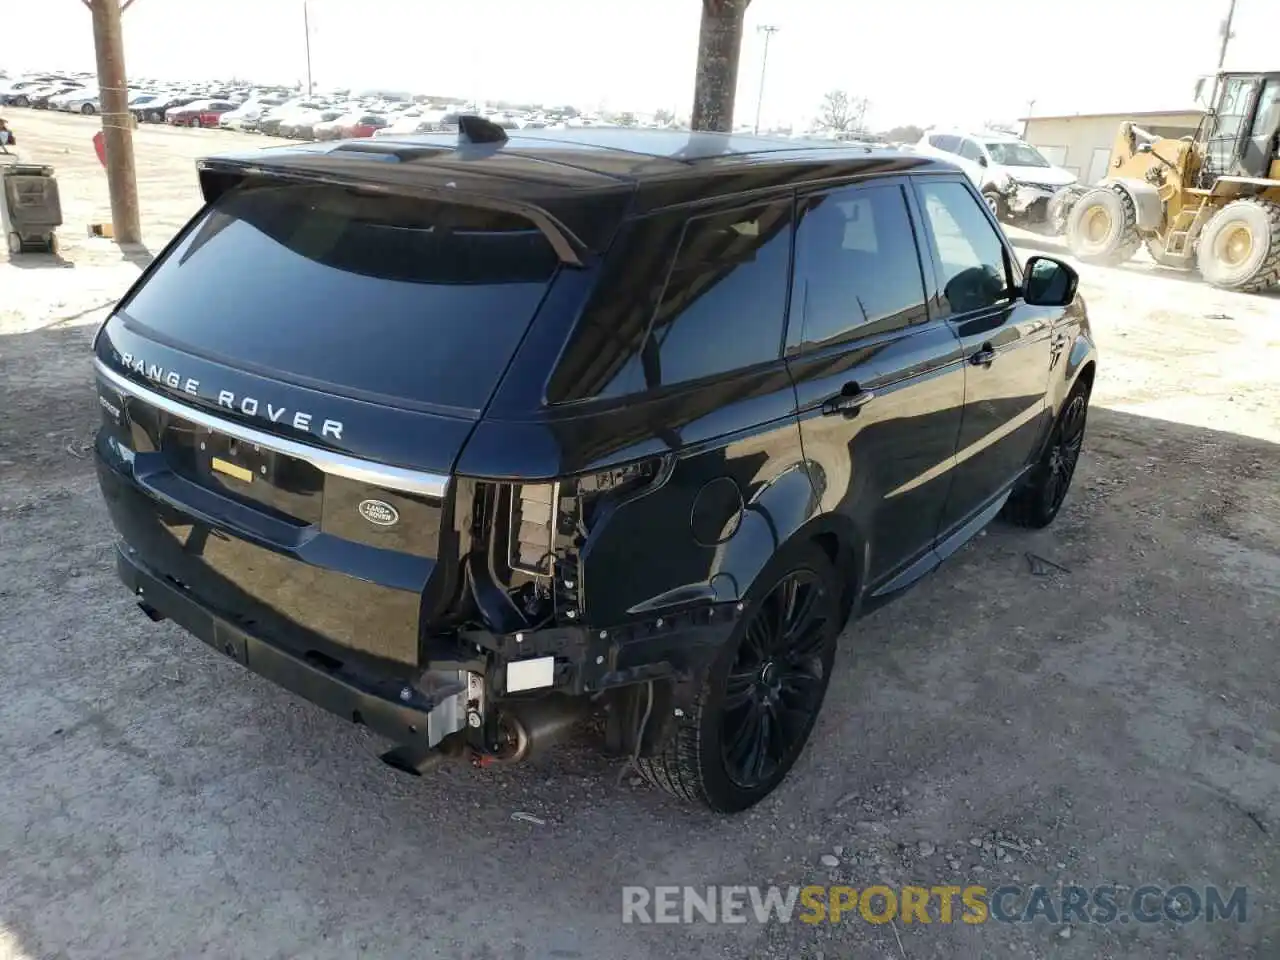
x,y
337,464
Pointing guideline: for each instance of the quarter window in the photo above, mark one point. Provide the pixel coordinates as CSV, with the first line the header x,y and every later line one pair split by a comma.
x,y
974,270
858,272
969,150
715,306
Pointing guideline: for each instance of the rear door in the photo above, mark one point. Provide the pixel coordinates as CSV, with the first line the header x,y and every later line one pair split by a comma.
x,y
1006,345
879,382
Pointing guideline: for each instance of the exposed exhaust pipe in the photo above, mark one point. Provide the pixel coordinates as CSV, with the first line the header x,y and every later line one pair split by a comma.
x,y
532,725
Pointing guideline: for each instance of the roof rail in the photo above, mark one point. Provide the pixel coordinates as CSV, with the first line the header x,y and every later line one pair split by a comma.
x,y
476,129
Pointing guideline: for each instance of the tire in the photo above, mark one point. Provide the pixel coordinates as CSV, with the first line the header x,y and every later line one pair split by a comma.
x,y
20,101
1038,500
1102,227
15,244
156,116
758,678
996,204
1240,246
88,109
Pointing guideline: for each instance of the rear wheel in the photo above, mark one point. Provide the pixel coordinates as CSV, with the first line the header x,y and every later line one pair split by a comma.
x,y
1103,227
1240,246
20,101
1039,499
88,109
761,696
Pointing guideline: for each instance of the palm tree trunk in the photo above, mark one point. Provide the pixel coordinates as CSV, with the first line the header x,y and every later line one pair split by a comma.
x,y
719,45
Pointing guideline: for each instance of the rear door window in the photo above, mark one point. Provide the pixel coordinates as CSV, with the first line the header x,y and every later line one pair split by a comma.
x,y
394,299
714,306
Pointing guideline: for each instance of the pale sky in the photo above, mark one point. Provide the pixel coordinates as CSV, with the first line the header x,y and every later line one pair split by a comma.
x,y
918,61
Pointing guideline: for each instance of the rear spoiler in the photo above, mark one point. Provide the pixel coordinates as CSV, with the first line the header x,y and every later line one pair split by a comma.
x,y
367,168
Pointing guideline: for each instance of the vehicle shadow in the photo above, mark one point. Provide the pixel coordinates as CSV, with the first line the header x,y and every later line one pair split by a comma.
x,y
1114,702
40,261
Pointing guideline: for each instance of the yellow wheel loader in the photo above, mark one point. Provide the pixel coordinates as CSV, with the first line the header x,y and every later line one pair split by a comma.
x,y
1209,202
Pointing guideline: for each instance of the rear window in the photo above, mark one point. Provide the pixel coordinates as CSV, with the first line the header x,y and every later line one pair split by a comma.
x,y
391,298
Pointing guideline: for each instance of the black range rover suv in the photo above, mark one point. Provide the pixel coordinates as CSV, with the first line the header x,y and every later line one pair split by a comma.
x,y
460,437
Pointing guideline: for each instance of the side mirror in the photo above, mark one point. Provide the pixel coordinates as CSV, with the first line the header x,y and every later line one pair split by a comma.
x,y
1144,148
1049,283
982,161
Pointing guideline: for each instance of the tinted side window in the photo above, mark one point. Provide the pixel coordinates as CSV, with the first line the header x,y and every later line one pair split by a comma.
x,y
857,270
945,142
974,273
969,150
720,308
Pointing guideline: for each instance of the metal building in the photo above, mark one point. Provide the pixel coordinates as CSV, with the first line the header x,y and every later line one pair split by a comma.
x,y
1082,142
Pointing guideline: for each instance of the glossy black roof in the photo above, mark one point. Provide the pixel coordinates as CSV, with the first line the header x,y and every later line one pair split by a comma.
x,y
548,174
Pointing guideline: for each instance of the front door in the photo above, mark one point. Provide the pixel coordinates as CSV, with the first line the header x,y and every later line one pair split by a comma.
x,y
1006,344
880,384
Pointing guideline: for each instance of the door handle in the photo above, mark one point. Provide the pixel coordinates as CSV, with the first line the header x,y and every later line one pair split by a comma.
x,y
848,401
984,356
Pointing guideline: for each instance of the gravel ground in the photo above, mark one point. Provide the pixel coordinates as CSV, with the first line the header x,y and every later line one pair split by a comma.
x,y
1093,703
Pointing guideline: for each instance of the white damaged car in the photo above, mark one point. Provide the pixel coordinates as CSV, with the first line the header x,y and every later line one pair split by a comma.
x,y
1015,179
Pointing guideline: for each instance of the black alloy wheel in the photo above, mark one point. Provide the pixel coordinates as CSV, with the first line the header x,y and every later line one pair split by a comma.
x,y
761,695
1038,501
775,687
1064,452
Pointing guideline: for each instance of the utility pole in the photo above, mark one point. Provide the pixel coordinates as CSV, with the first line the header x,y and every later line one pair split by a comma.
x,y
1026,121
306,28
117,122
768,31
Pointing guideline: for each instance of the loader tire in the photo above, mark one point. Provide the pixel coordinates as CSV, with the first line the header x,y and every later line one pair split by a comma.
x,y
1103,227
1240,246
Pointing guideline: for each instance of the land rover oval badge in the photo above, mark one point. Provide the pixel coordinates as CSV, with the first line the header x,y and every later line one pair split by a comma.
x,y
379,512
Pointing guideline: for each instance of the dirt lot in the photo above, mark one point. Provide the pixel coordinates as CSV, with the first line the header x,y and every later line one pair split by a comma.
x,y
1108,717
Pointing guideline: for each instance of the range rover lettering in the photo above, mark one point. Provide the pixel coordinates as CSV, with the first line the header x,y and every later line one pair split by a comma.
x,y
465,437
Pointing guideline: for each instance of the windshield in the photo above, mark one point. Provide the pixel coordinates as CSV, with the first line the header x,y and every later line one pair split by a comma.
x,y
385,297
1016,155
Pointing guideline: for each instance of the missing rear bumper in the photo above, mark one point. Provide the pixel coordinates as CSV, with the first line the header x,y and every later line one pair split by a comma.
x,y
416,711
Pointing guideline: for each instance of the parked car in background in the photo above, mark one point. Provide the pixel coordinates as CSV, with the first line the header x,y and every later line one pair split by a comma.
x,y
356,124
198,113
427,121
17,93
273,119
154,112
246,116
1016,180
301,125
40,98
83,101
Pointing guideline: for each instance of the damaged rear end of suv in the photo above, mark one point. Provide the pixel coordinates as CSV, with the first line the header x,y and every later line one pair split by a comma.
x,y
464,438
328,452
